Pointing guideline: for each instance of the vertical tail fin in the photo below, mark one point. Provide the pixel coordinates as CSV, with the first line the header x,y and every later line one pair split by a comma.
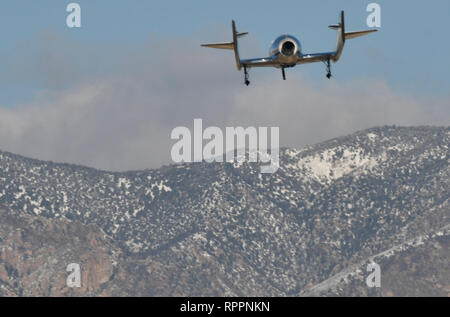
x,y
340,38
235,45
230,45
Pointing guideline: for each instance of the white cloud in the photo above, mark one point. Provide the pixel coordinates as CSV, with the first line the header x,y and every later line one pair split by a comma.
x,y
121,118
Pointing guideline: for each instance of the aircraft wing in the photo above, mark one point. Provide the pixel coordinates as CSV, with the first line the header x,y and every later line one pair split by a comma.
x,y
259,62
316,57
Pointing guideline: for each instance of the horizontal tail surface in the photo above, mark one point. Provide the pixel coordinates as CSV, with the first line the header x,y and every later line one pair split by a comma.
x,y
230,45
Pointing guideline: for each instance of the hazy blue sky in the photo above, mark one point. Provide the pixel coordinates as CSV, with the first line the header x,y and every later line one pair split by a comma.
x,y
108,94
411,51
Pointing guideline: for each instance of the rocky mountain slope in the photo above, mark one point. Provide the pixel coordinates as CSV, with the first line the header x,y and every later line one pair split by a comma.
x,y
226,229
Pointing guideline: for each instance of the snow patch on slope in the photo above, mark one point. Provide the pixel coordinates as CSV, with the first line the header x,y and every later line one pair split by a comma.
x,y
332,164
161,186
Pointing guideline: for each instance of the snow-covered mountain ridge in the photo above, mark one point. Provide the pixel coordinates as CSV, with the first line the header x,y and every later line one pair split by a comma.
x,y
219,229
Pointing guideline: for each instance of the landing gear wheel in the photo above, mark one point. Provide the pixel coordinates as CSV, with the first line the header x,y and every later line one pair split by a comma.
x,y
283,73
247,81
328,65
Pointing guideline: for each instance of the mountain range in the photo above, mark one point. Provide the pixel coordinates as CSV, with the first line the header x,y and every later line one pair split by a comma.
x,y
224,229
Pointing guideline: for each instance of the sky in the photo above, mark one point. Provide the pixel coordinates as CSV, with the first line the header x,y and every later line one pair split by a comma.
x,y
107,95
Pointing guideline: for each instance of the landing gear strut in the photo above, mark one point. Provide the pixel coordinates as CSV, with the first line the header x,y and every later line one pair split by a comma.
x,y
283,72
328,64
247,82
